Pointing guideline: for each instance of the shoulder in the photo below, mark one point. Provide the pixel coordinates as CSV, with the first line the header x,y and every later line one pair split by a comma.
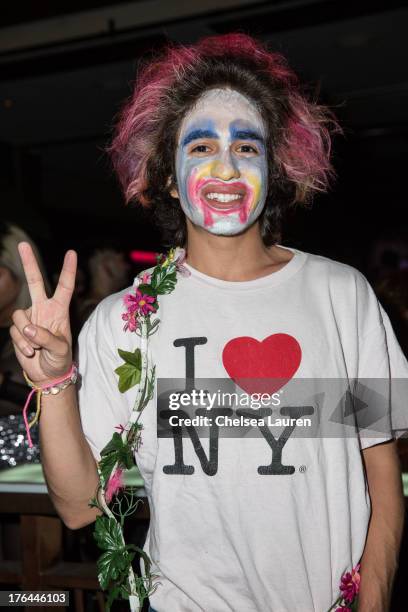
x,y
348,288
337,275
334,270
106,319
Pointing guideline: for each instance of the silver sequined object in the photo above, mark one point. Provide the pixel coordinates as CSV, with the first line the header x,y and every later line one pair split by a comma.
x,y
14,449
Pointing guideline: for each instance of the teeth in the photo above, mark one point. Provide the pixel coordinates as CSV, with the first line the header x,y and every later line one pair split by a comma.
x,y
223,197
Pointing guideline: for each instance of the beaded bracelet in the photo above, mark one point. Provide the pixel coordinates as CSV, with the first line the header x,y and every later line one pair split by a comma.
x,y
52,388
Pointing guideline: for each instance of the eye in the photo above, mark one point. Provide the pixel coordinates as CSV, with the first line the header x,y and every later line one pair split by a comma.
x,y
201,148
247,148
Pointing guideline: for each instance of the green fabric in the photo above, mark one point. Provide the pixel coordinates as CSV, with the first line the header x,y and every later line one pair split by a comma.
x,y
405,483
33,474
27,473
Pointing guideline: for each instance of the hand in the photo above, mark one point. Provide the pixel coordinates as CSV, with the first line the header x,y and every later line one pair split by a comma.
x,y
41,334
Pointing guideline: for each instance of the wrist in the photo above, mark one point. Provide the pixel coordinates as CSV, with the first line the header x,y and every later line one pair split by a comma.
x,y
61,396
61,383
57,383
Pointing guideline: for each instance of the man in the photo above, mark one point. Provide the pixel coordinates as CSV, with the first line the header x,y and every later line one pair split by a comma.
x,y
219,140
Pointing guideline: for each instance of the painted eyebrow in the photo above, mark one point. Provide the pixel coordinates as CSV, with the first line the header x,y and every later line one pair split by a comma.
x,y
247,135
196,134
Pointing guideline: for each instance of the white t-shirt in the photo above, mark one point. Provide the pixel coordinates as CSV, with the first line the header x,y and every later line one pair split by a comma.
x,y
224,535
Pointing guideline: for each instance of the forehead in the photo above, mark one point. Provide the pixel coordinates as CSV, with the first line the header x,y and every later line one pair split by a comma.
x,y
219,108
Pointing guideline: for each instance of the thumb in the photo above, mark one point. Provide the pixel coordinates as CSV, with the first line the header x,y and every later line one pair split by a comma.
x,y
42,337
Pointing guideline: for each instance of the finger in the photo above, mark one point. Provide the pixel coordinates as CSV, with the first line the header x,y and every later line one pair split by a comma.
x,y
20,343
21,320
45,339
32,273
66,281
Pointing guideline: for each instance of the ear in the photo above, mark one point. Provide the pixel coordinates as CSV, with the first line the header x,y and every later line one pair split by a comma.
x,y
173,191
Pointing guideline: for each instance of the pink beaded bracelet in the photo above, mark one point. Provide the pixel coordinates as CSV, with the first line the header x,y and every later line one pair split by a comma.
x,y
52,388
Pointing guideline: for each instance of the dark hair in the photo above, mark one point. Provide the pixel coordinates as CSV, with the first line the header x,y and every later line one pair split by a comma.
x,y
298,142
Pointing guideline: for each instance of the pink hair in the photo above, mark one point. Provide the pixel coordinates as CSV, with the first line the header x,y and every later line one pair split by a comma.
x,y
303,152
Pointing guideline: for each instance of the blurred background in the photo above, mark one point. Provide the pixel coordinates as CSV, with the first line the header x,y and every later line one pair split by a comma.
x,y
65,69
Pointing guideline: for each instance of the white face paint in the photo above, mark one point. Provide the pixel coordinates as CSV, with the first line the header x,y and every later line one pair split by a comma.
x,y
221,162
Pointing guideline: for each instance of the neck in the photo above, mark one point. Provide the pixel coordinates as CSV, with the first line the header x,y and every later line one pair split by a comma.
x,y
233,258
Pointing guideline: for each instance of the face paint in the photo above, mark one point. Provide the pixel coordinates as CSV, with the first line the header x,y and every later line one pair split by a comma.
x,y
221,163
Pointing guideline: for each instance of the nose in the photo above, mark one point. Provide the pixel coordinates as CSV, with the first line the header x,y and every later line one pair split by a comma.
x,y
224,168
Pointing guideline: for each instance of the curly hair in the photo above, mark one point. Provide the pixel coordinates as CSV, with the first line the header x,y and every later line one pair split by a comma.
x,y
298,129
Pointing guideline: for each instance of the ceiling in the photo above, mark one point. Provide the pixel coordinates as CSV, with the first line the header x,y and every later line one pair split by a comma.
x,y
72,93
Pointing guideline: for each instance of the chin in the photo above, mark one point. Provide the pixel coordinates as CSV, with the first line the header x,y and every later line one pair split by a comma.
x,y
228,229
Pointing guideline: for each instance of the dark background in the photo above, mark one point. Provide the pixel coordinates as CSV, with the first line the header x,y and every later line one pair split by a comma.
x,y
65,68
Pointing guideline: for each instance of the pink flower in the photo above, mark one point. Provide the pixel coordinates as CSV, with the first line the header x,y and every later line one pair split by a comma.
x,y
350,584
145,303
138,303
145,278
131,321
115,484
343,609
131,302
120,428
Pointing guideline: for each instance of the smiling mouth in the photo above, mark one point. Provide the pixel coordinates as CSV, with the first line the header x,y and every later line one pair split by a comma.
x,y
223,197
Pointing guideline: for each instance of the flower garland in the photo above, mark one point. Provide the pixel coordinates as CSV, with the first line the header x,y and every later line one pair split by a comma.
x,y
116,502
115,571
349,589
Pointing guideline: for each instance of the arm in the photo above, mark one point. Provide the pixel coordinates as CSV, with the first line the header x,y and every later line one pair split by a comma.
x,y
42,341
68,464
380,559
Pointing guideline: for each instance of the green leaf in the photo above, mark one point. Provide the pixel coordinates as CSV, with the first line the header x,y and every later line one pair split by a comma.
x,y
114,444
108,534
134,358
106,466
116,451
146,559
94,503
164,279
125,458
112,565
151,326
129,376
147,290
129,372
118,591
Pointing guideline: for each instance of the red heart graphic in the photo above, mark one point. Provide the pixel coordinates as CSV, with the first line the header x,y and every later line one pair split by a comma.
x,y
262,367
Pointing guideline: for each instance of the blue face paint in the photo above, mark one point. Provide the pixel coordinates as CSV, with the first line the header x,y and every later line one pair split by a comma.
x,y
239,132
221,163
198,134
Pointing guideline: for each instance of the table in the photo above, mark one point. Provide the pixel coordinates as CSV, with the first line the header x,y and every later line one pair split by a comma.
x,y
23,492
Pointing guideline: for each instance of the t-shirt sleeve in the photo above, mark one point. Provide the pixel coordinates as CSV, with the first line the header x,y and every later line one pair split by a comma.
x,y
101,405
382,380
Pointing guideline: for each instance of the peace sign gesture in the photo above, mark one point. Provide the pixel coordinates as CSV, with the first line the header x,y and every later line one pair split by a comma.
x,y
41,334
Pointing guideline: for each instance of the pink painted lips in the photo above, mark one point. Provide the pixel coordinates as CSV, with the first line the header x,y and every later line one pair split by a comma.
x,y
223,197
